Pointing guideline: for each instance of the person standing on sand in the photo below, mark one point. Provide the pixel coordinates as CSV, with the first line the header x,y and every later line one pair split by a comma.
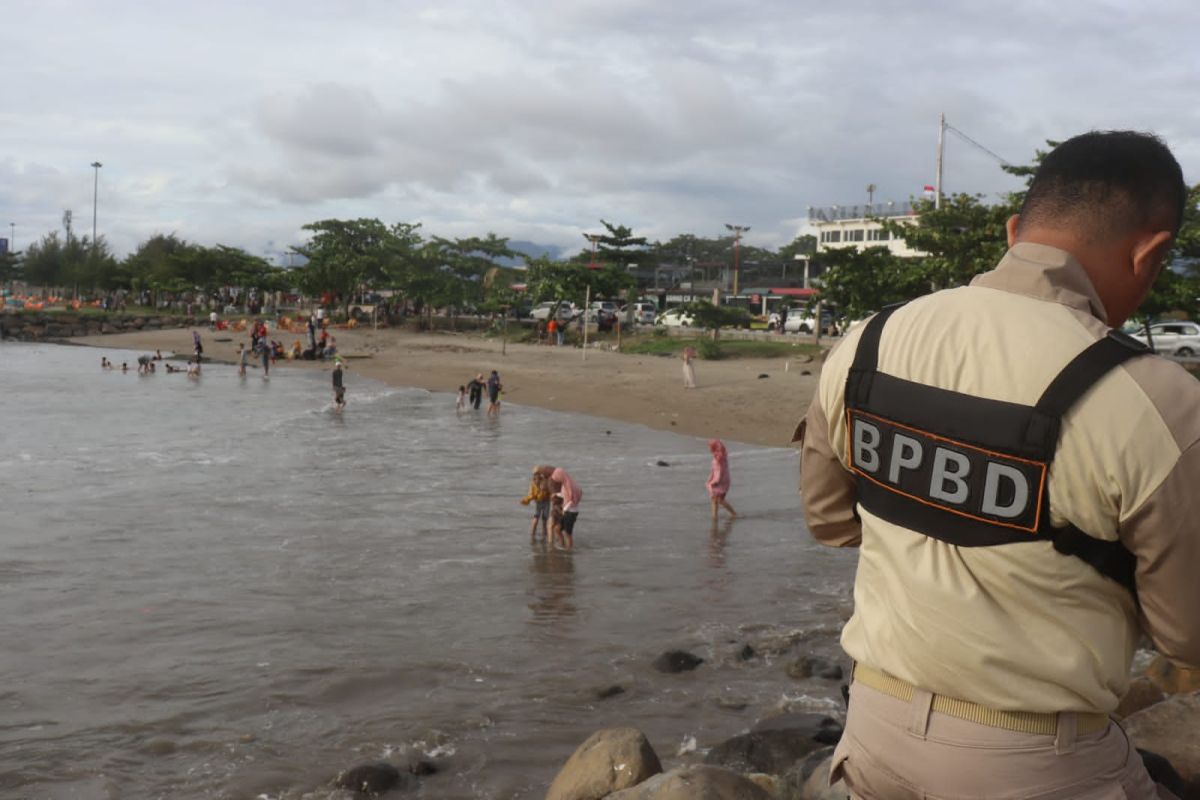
x,y
552,332
689,372
718,478
494,387
475,390
197,348
569,492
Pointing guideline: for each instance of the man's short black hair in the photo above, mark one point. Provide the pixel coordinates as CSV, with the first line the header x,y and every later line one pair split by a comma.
x,y
1107,183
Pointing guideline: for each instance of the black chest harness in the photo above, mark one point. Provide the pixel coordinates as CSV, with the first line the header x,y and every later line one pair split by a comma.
x,y
966,470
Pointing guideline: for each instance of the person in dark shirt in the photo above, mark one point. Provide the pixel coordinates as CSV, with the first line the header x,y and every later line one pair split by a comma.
x,y
339,388
475,391
494,388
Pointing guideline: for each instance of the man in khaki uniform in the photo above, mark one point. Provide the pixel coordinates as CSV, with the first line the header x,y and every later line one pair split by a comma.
x,y
1022,486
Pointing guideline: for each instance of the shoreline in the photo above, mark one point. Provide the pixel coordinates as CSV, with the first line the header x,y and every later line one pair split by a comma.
x,y
756,401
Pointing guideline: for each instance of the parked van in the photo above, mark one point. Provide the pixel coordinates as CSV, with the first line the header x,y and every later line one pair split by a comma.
x,y
643,313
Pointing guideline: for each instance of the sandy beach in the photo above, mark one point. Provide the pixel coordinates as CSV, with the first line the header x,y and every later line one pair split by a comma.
x,y
755,401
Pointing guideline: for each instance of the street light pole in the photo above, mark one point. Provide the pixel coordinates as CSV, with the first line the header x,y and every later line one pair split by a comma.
x,y
12,237
738,230
96,165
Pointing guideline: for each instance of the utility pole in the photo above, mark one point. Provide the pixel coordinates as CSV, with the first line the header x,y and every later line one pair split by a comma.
x,y
12,237
738,230
937,184
96,165
870,196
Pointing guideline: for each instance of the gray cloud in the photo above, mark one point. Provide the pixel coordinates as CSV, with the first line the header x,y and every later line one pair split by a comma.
x,y
241,122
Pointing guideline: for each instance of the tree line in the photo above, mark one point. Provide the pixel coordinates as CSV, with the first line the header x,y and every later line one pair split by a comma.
x,y
966,237
345,260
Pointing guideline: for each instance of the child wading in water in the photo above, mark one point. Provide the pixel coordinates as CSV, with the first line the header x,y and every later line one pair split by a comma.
x,y
718,478
539,494
460,405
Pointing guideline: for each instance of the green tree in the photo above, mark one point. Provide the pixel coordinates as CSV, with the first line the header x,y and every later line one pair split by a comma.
x,y
618,247
45,261
10,267
959,240
344,255
862,281
564,280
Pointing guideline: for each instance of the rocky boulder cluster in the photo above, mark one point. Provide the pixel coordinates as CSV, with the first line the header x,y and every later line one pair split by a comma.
x,y
45,326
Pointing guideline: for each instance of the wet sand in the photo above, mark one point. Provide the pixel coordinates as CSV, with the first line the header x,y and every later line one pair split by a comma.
x,y
730,402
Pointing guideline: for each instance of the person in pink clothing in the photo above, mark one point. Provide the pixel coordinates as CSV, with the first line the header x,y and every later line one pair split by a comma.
x,y
718,478
564,486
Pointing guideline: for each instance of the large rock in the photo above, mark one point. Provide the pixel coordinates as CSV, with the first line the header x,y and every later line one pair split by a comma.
x,y
817,727
610,760
1142,693
815,667
695,782
373,779
674,661
771,750
1172,679
1171,729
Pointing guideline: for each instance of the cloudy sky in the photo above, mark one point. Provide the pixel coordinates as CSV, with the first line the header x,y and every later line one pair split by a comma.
x,y
238,122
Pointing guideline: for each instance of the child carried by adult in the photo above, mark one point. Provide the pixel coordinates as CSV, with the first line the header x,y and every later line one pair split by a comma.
x,y
565,488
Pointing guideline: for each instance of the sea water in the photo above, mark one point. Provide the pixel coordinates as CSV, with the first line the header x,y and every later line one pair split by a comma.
x,y
224,588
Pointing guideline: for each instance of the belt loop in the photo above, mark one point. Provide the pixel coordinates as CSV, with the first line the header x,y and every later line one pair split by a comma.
x,y
918,723
1064,738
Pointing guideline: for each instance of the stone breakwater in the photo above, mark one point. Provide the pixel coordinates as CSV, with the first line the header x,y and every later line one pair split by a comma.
x,y
789,756
51,326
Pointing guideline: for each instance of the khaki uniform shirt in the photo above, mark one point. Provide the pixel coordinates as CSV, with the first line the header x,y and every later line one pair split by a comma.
x,y
1020,627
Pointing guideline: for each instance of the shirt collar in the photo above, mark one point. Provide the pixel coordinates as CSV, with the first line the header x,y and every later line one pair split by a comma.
x,y
1044,273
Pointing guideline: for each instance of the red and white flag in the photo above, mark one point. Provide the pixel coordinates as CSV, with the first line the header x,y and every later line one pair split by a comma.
x,y
929,190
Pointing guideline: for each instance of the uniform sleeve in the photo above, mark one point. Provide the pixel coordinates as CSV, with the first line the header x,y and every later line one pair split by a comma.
x,y
1164,534
827,488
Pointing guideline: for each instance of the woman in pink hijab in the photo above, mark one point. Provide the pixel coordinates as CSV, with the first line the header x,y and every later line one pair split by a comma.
x,y
718,478
564,486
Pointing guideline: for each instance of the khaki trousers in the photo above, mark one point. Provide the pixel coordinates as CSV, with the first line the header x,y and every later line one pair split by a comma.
x,y
898,750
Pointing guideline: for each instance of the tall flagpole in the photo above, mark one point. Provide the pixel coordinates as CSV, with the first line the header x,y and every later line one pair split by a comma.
x,y
937,186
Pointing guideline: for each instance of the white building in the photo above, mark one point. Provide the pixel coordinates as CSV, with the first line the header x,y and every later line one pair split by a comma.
x,y
861,226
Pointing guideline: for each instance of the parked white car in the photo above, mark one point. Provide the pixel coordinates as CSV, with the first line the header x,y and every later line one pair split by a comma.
x,y
676,318
644,313
1172,338
799,322
602,309
563,311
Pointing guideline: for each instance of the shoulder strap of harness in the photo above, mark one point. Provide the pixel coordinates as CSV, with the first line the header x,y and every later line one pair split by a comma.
x,y
1110,558
866,359
1074,381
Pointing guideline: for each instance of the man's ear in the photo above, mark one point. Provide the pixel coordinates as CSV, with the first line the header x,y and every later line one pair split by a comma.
x,y
1148,254
1010,227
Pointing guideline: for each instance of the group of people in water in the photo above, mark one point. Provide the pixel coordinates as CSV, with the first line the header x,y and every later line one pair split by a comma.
x,y
555,497
146,365
471,395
